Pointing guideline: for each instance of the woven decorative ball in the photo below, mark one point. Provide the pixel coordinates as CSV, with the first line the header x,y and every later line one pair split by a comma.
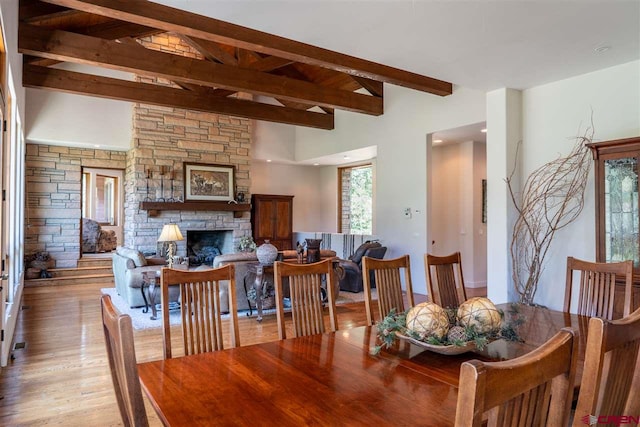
x,y
457,334
428,319
480,313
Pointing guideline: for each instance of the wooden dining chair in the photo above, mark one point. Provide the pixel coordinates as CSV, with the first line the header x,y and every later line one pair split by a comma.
x,y
305,282
445,280
596,293
611,376
202,329
388,285
532,390
118,337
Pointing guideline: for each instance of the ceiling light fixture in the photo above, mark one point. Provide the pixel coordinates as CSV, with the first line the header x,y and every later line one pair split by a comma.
x,y
601,48
437,141
268,160
316,164
346,157
483,130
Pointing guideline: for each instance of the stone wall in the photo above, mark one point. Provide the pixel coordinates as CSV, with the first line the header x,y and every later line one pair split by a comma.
x,y
168,137
162,138
53,197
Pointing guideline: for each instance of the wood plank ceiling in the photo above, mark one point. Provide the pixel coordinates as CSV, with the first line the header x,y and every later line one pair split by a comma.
x,y
233,59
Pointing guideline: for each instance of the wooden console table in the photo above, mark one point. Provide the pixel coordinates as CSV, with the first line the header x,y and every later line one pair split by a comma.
x,y
262,271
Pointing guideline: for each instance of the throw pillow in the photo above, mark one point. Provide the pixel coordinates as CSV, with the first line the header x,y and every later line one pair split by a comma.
x,y
133,254
359,253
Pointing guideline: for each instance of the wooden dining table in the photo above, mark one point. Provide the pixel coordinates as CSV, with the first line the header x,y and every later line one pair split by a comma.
x,y
331,378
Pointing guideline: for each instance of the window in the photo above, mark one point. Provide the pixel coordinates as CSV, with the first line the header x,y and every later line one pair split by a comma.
x,y
355,187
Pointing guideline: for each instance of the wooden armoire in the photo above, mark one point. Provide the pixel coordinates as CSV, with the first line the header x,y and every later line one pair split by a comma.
x,y
272,219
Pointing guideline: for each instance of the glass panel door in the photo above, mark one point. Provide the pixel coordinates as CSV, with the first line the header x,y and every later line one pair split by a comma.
x,y
621,210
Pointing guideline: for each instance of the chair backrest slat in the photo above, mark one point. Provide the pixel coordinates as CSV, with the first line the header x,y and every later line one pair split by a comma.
x,y
388,285
611,377
445,279
532,390
201,316
597,287
305,284
118,336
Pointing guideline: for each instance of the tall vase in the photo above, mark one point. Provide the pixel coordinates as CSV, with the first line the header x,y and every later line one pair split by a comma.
x,y
266,253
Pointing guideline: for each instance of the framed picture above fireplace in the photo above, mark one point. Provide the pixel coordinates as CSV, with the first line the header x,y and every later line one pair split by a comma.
x,y
204,182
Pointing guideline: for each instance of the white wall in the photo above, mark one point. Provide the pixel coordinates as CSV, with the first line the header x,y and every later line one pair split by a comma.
x,y
478,261
58,118
400,136
553,115
273,141
302,182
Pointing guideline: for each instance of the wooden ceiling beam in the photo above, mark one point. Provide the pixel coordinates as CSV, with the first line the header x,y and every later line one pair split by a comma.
x,y
65,46
374,87
35,11
146,93
118,29
210,50
198,26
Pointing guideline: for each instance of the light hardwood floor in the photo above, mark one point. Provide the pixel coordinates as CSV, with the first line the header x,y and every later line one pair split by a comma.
x,y
61,377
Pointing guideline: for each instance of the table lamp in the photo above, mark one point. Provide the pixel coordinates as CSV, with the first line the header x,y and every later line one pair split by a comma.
x,y
170,234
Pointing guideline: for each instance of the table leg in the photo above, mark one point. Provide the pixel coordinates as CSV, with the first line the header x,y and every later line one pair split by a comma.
x,y
257,285
151,295
244,283
144,297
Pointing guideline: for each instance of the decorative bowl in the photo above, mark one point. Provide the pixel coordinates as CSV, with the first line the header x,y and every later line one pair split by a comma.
x,y
450,350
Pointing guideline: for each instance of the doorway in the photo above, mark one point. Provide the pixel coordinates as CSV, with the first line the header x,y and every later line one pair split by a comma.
x,y
103,199
456,173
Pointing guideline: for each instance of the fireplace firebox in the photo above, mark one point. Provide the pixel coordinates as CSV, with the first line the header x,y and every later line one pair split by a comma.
x,y
204,245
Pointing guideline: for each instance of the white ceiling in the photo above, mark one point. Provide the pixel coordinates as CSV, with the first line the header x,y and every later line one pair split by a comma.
x,y
479,44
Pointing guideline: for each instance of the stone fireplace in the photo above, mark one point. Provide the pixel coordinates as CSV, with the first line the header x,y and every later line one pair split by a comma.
x,y
204,245
164,140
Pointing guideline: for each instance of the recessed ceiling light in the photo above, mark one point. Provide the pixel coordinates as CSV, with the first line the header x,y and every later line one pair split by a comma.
x,y
483,130
268,160
437,141
316,164
346,157
96,145
601,48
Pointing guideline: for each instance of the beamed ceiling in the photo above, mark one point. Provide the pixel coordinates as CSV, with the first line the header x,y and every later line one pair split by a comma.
x,y
291,77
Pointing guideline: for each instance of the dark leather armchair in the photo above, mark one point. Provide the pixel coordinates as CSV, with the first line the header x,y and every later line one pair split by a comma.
x,y
352,280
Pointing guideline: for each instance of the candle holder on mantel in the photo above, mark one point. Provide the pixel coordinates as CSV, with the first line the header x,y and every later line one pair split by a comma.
x,y
148,177
171,177
163,171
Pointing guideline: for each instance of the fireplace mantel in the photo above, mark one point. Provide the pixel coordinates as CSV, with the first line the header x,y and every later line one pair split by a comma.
x,y
153,208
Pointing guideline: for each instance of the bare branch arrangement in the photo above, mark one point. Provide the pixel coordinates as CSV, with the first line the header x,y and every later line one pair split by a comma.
x,y
552,198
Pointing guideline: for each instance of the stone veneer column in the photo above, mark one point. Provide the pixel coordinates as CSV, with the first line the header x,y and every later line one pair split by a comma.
x,y
168,137
53,197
